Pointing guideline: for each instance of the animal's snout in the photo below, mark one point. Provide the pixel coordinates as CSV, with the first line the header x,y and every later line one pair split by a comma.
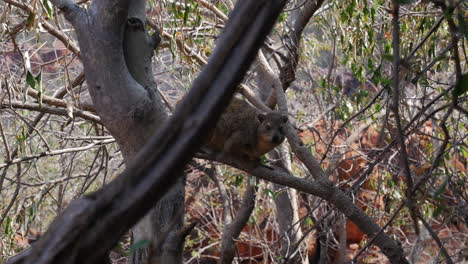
x,y
277,139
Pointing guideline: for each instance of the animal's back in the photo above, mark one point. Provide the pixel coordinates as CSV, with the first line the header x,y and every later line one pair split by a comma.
x,y
239,117
243,131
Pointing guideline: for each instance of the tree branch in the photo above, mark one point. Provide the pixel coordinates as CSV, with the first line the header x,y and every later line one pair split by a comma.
x,y
96,143
233,229
437,240
71,10
395,109
50,110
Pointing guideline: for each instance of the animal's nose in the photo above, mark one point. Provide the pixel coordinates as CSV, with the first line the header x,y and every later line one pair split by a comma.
x,y
276,139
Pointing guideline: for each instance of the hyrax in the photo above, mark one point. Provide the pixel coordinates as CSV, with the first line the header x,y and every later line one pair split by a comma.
x,y
245,132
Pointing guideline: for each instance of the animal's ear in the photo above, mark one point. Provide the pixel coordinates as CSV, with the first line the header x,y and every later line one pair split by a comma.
x,y
261,117
284,118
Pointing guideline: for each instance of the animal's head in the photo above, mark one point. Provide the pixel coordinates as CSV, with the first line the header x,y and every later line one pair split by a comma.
x,y
270,132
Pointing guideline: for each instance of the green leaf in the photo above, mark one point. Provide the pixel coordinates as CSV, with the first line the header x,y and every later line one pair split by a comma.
x,y
47,7
387,57
343,16
377,107
309,221
462,86
38,77
370,33
7,225
350,9
420,28
323,83
30,79
239,179
282,17
437,211
30,20
138,245
269,193
441,188
186,13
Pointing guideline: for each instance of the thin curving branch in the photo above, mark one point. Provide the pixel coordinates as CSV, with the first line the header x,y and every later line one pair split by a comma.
x,y
395,109
436,239
54,101
292,40
49,153
233,229
72,12
50,110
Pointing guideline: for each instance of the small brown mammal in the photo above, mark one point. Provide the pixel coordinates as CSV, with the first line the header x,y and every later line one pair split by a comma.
x,y
244,131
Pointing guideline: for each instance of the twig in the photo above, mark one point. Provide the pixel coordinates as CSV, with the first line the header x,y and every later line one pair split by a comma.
x,y
5,142
214,9
395,109
59,102
233,229
349,120
49,27
50,110
431,31
326,191
249,94
436,239
57,152
225,201
15,194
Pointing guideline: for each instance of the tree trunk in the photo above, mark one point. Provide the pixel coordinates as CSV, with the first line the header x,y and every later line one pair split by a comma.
x,y
116,52
288,213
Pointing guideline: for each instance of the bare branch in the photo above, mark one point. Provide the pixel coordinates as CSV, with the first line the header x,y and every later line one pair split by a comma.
x,y
50,110
58,102
233,229
292,39
96,143
224,198
437,240
71,10
395,109
15,194
214,9
426,37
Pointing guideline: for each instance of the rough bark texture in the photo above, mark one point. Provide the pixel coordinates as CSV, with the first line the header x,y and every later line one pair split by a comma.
x,y
288,213
116,53
232,229
162,224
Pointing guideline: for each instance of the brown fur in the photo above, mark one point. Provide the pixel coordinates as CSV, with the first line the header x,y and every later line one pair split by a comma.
x,y
245,132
